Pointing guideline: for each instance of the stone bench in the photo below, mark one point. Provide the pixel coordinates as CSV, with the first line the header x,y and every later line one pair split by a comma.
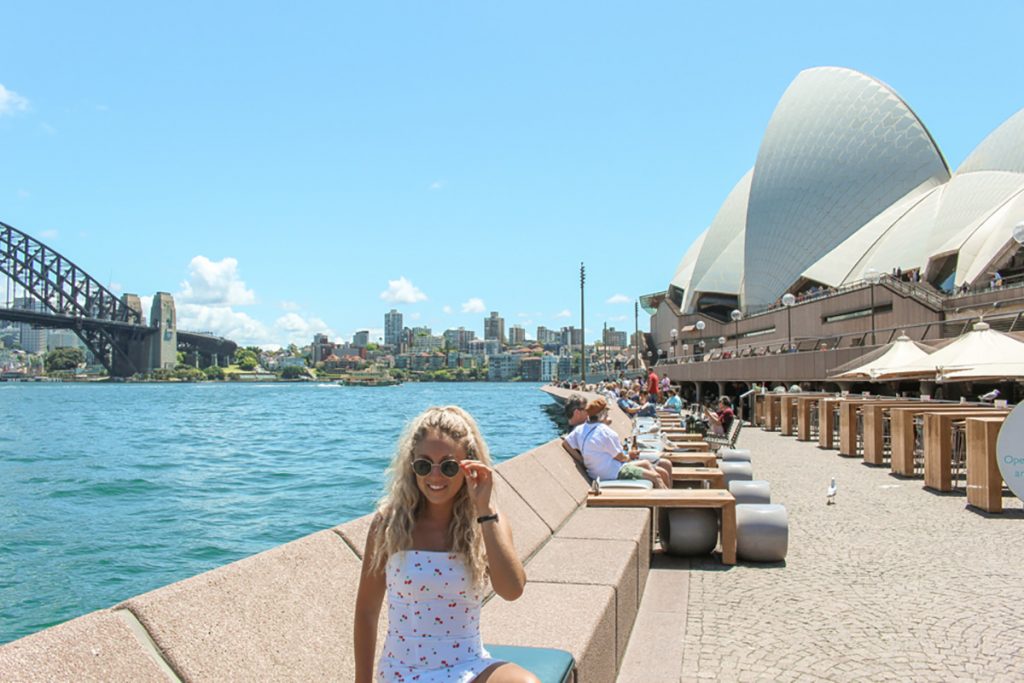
x,y
287,613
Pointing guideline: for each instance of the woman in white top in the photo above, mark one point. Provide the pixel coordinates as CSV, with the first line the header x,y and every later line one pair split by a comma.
x,y
435,541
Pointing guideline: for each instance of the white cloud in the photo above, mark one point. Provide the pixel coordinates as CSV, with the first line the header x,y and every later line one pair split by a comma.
x,y
474,305
11,102
115,287
618,299
24,194
292,328
564,313
402,291
414,316
438,185
447,309
618,318
289,306
47,128
214,283
49,234
222,321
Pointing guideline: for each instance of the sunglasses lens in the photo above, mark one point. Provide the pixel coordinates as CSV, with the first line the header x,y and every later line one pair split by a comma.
x,y
449,468
421,467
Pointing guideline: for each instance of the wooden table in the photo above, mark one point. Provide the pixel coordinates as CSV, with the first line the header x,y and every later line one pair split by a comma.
x,y
706,459
902,431
938,446
804,406
759,403
714,476
688,445
772,411
678,498
984,480
826,422
848,432
787,410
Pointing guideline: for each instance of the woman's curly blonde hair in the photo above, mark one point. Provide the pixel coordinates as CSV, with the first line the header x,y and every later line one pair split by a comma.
x,y
398,509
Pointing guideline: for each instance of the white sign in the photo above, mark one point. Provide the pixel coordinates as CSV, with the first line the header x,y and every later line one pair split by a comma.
x,y
1010,451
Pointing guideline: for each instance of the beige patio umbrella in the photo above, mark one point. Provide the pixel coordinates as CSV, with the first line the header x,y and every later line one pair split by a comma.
x,y
872,365
982,353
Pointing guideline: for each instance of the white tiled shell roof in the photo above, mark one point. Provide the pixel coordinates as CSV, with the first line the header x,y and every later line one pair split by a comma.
x,y
840,148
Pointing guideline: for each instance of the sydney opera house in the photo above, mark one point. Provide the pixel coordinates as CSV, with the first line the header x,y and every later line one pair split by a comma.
x,y
849,229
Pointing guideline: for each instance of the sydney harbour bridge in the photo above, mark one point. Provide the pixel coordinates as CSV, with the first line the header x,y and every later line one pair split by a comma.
x,y
111,326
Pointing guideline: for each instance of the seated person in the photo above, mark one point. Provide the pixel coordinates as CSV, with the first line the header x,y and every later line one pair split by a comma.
x,y
575,410
603,454
628,406
673,402
721,419
648,408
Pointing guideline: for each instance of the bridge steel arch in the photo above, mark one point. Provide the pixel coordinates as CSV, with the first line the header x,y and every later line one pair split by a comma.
x,y
67,290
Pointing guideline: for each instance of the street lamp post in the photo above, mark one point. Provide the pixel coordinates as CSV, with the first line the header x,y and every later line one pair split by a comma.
x,y
636,333
788,300
736,315
699,326
583,327
674,335
872,276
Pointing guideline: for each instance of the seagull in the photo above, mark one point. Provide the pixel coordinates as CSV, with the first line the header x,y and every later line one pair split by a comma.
x,y
830,497
989,397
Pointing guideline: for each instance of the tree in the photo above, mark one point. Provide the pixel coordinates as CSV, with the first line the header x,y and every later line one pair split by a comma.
x,y
293,372
63,359
214,372
246,359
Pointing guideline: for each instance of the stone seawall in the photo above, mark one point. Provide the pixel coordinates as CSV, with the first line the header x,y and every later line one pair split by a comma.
x,y
286,614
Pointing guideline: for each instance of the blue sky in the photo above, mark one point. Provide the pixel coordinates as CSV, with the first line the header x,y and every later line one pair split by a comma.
x,y
292,171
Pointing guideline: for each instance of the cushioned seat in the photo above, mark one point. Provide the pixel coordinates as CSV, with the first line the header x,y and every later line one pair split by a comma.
x,y
762,533
547,664
747,492
734,454
626,484
691,531
736,471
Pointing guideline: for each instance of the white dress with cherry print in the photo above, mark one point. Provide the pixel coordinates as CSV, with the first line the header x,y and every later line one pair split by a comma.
x,y
433,620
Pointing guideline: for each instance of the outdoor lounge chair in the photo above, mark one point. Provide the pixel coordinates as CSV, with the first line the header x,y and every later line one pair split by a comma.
x,y
727,441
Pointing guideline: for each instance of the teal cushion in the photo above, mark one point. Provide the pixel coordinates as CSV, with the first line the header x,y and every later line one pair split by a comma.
x,y
547,664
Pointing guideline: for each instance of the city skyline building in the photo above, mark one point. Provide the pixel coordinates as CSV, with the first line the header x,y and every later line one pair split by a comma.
x,y
393,323
31,339
361,339
516,335
494,327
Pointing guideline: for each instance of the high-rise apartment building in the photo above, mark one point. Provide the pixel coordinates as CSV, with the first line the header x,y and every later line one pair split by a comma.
x,y
361,339
459,339
393,329
33,339
546,336
516,335
571,336
613,337
494,327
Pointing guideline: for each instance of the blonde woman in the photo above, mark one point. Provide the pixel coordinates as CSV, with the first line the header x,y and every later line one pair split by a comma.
x,y
436,540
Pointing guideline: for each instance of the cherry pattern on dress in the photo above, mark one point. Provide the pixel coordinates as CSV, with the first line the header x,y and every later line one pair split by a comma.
x,y
433,620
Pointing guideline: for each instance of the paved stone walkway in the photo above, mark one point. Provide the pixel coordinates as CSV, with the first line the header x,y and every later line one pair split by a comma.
x,y
891,583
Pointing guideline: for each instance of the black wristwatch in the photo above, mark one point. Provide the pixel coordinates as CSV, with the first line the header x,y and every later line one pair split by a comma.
x,y
487,518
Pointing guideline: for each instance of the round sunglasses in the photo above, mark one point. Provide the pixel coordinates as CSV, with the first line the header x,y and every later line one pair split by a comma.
x,y
422,467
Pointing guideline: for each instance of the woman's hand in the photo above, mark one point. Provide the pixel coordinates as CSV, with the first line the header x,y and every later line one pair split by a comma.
x,y
479,485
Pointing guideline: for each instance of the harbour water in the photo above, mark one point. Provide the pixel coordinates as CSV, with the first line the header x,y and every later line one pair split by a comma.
x,y
111,490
